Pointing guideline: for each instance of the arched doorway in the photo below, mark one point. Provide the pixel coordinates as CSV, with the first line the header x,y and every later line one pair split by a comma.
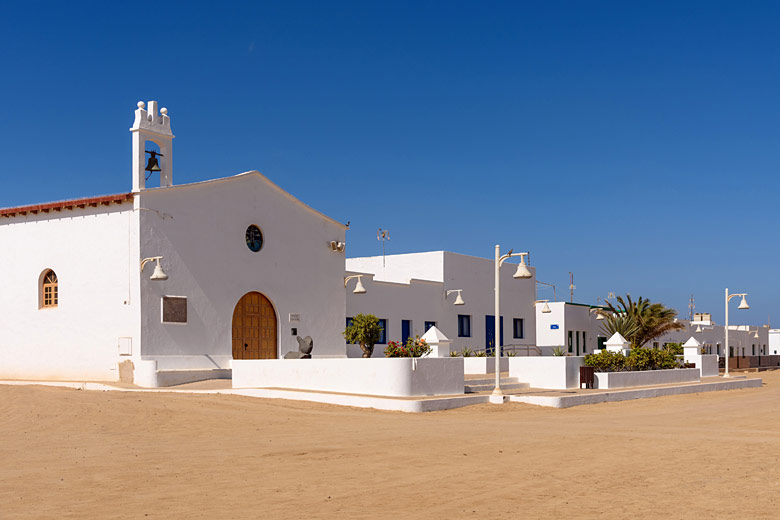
x,y
254,328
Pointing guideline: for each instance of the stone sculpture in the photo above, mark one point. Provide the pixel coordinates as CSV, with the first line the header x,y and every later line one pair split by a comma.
x,y
305,346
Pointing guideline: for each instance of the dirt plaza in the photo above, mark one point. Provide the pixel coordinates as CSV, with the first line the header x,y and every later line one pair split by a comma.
x,y
68,453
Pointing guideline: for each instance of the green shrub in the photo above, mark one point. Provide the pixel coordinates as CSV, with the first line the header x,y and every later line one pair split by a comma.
x,y
467,352
677,348
641,358
606,361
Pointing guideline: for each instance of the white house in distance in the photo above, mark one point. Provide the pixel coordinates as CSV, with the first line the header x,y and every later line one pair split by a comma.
x,y
408,293
573,327
168,284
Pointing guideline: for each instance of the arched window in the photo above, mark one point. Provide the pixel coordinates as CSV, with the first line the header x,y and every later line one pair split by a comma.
x,y
49,290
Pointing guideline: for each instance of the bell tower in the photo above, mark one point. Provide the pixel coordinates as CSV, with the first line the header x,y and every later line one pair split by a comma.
x,y
149,125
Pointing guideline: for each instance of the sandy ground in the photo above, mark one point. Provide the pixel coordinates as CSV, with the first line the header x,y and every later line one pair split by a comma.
x,y
75,454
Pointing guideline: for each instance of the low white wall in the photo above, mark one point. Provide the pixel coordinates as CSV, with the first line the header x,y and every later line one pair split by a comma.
x,y
646,378
708,364
397,377
483,365
557,372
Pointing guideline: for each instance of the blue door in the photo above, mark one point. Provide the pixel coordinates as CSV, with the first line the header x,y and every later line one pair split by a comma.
x,y
490,330
406,330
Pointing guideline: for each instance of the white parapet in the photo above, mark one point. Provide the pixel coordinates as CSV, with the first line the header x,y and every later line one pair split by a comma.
x,y
555,372
395,377
646,378
484,365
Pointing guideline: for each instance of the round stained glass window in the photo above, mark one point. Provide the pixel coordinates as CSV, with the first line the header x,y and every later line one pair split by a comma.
x,y
254,238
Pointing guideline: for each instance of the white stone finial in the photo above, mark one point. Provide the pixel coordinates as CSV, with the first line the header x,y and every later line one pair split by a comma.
x,y
141,104
163,110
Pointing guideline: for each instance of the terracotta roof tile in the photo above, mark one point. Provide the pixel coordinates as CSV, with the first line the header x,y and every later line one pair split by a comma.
x,y
105,200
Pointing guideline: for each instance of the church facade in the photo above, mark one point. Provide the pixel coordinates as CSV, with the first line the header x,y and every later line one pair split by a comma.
x,y
165,285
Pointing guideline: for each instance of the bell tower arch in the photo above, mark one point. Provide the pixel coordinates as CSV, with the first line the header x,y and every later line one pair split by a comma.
x,y
151,125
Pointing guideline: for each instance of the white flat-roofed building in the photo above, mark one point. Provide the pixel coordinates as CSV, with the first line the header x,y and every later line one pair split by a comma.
x,y
408,292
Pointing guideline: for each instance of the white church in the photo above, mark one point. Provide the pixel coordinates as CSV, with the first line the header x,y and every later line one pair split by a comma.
x,y
168,284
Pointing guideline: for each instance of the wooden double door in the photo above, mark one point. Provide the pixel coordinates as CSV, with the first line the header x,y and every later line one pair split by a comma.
x,y
254,328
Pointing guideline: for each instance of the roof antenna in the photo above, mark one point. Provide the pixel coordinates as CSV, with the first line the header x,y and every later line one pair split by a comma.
x,y
383,235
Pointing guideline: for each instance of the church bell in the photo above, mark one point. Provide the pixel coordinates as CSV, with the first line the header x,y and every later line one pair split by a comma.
x,y
152,165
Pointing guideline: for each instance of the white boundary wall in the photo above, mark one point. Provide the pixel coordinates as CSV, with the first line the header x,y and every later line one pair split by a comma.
x,y
484,365
555,372
708,364
397,377
646,378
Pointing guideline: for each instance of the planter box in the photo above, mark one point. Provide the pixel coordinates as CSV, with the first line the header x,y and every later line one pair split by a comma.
x,y
395,377
646,378
484,365
555,372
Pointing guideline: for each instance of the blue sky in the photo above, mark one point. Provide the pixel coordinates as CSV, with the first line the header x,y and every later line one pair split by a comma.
x,y
635,144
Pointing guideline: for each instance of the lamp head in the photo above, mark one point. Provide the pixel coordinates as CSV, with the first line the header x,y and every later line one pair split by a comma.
x,y
546,309
743,304
158,274
698,328
599,316
522,270
459,299
359,289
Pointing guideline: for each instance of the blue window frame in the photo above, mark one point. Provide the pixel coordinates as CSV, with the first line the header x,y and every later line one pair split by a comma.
x,y
428,325
406,330
349,321
464,326
518,329
383,334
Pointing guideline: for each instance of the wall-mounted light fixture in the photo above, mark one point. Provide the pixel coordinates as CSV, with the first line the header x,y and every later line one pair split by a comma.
x,y
158,275
359,289
546,308
599,313
458,298
698,328
337,246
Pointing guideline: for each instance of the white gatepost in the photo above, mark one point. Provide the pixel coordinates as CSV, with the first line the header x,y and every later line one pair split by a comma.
x,y
617,343
438,342
691,350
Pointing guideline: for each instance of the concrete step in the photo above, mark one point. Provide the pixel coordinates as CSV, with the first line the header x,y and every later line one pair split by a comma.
x,y
487,380
508,386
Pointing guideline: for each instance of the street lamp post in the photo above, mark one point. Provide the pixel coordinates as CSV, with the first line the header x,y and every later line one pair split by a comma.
x,y
497,397
742,305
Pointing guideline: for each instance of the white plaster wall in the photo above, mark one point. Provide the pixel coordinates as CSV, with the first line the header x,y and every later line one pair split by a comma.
x,y
646,378
484,365
555,372
93,252
401,268
774,342
420,301
400,377
200,230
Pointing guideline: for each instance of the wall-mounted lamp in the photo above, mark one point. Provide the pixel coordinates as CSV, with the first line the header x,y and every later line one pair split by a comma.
x,y
458,298
158,275
599,313
698,328
546,308
359,289
337,246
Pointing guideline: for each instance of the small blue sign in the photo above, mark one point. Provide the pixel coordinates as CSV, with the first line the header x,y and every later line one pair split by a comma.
x,y
554,327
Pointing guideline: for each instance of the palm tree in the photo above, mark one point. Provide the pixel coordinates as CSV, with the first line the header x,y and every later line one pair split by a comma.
x,y
651,319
